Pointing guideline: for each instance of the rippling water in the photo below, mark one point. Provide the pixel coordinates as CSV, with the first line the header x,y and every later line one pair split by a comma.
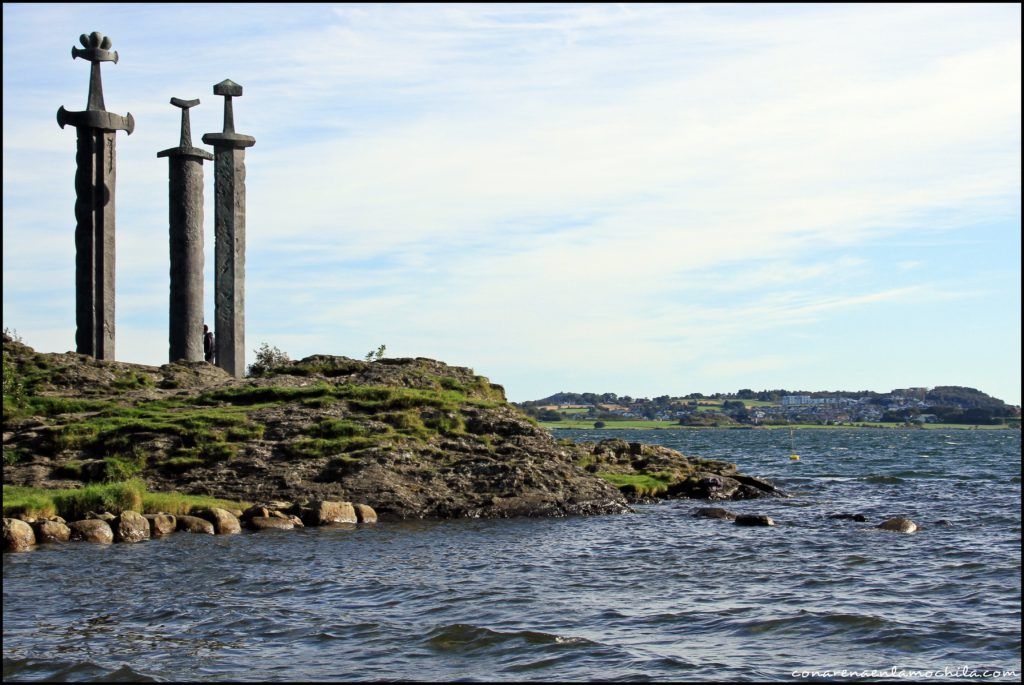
x,y
656,595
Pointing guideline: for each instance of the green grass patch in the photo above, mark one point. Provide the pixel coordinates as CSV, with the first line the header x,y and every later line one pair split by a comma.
x,y
45,405
328,447
639,485
113,497
133,381
267,394
337,428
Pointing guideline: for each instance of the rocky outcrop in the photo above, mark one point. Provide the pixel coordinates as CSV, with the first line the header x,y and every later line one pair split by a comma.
x,y
410,438
670,474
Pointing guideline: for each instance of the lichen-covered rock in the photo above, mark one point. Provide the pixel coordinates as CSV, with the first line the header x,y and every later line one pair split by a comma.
x,y
224,522
754,520
898,524
91,530
324,512
194,524
48,530
18,535
365,513
130,526
265,522
161,525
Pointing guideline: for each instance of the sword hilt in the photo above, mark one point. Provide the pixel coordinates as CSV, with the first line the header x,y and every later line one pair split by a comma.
x,y
95,49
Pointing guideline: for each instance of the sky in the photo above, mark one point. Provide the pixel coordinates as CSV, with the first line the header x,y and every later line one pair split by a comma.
x,y
638,199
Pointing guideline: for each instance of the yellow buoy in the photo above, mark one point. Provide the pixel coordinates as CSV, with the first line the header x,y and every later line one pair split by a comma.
x,y
794,457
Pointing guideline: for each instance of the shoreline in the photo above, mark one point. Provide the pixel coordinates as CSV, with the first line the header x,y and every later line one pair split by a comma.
x,y
666,425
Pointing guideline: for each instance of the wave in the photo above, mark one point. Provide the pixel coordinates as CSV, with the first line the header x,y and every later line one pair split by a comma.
x,y
64,671
466,637
890,480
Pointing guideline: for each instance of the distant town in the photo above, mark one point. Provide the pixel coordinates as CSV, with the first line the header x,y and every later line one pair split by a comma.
x,y
908,406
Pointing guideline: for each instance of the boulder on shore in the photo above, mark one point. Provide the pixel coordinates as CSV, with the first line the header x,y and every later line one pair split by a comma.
x,y
91,530
130,526
265,522
18,535
161,525
365,513
48,530
224,522
194,524
322,512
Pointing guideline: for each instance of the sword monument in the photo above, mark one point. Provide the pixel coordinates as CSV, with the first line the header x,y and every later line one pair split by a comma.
x,y
94,204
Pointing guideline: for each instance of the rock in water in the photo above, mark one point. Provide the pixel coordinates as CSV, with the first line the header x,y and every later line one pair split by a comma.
x,y
898,525
715,513
754,520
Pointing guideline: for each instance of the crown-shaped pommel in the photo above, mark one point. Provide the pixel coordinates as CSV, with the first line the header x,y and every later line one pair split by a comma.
x,y
97,48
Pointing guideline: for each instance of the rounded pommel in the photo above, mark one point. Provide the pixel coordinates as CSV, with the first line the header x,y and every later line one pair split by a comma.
x,y
227,87
184,104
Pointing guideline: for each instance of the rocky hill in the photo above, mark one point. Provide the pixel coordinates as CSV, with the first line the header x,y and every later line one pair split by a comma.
x,y
411,437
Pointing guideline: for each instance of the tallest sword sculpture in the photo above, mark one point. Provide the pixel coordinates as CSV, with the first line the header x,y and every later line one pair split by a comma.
x,y
94,205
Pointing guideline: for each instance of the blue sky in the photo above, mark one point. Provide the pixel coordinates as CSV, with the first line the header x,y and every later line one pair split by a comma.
x,y
640,199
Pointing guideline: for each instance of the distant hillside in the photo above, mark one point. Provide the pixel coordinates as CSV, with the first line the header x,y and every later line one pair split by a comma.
x,y
940,395
946,404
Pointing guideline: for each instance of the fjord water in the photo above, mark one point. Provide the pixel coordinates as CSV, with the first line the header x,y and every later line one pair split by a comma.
x,y
655,595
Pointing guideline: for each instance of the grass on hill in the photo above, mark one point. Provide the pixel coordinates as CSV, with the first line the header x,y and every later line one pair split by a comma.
x,y
113,497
